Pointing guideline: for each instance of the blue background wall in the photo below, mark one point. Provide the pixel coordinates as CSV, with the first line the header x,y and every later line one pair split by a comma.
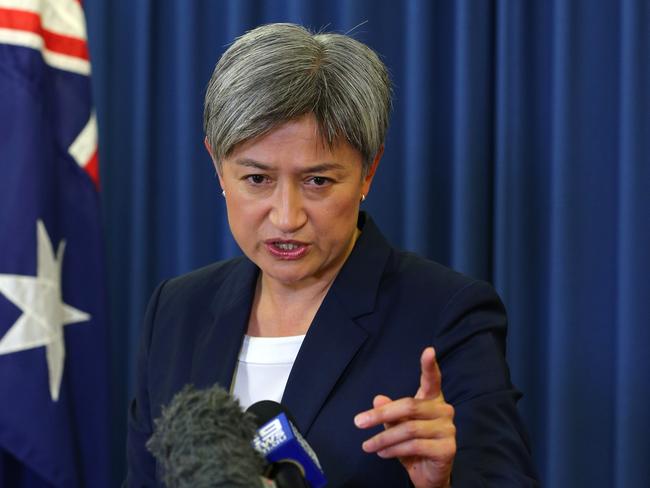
x,y
518,152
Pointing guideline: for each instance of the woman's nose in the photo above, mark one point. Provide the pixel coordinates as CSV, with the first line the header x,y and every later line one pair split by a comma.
x,y
288,213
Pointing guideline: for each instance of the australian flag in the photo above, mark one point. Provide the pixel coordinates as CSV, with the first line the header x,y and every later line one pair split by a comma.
x,y
53,337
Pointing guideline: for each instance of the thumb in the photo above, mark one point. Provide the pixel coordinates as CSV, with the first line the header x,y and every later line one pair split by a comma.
x,y
380,401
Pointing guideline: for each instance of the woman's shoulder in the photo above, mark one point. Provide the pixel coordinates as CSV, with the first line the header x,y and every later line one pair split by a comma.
x,y
206,283
212,274
410,267
433,285
412,276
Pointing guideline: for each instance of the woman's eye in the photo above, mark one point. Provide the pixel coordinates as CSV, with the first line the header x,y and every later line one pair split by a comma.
x,y
319,180
256,179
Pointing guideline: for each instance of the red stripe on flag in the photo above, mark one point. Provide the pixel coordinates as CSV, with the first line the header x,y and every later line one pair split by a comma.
x,y
31,22
92,168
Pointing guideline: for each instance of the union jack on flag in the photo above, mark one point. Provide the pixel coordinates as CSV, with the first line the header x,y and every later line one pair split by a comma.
x,y
53,338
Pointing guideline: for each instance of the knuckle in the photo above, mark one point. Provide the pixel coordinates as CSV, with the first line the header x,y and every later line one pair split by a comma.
x,y
448,410
446,451
411,429
450,448
420,447
411,406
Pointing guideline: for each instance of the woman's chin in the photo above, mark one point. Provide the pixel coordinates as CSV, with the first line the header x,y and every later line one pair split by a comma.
x,y
293,279
290,274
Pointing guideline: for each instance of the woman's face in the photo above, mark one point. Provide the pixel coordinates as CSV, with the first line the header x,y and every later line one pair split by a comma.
x,y
293,202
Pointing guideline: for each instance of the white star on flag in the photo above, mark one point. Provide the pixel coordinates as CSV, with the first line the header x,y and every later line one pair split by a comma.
x,y
44,313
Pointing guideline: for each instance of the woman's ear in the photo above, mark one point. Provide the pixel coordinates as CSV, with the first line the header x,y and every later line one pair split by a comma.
x,y
214,162
367,181
209,149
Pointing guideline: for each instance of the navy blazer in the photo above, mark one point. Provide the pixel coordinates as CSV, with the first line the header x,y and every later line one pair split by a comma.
x,y
383,309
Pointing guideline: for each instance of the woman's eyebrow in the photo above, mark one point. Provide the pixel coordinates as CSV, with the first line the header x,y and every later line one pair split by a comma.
x,y
251,163
317,168
322,167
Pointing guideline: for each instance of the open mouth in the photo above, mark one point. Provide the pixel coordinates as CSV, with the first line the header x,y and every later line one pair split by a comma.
x,y
286,249
286,246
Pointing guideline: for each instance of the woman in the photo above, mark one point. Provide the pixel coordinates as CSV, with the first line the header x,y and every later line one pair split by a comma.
x,y
322,313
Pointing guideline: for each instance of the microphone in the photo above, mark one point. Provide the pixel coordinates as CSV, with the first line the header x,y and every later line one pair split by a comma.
x,y
203,439
292,460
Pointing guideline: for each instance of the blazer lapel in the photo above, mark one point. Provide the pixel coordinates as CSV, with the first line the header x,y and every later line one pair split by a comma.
x,y
216,350
334,337
331,343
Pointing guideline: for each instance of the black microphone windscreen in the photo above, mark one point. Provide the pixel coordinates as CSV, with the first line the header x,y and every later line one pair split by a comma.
x,y
203,439
265,410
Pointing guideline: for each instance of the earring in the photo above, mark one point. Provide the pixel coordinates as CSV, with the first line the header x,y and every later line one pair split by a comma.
x,y
363,197
223,193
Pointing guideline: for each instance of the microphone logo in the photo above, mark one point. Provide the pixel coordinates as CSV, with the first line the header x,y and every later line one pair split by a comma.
x,y
278,440
269,436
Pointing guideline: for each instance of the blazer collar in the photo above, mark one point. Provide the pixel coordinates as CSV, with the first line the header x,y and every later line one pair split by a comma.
x,y
358,281
334,336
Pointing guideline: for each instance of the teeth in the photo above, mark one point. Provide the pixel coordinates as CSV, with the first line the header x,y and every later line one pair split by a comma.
x,y
286,246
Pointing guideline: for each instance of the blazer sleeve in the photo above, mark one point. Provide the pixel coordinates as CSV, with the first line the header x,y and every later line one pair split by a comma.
x,y
492,444
141,465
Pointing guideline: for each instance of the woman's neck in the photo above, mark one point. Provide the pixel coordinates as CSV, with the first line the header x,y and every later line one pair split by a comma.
x,y
284,311
281,309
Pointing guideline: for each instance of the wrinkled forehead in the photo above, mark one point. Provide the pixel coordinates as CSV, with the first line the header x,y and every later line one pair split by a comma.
x,y
301,132
295,146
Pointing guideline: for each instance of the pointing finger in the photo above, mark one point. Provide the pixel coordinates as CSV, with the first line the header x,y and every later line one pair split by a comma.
x,y
430,378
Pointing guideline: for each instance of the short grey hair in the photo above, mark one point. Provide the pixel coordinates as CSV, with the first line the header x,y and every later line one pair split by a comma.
x,y
278,72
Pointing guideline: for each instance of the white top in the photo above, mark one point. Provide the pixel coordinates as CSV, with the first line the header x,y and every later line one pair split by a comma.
x,y
263,368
